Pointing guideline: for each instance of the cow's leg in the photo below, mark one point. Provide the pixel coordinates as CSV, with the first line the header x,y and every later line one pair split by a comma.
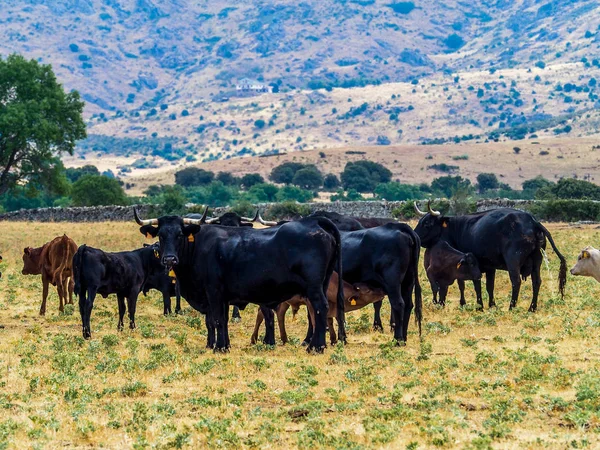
x,y
85,309
177,298
235,314
166,302
131,306
434,290
220,313
121,302
319,304
259,321
461,288
61,293
310,330
407,288
398,306
536,279
281,310
332,335
71,289
490,278
269,316
377,325
45,283
443,295
477,286
515,279
210,331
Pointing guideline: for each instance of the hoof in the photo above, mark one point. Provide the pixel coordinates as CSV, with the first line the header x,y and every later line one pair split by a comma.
x,y
305,343
221,350
120,327
132,326
236,319
316,350
378,327
492,305
87,334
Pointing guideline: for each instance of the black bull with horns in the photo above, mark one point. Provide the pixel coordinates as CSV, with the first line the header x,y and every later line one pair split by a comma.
x,y
217,266
500,239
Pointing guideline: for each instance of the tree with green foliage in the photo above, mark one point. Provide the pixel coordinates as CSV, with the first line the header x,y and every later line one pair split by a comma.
x,y
193,176
448,185
293,193
227,178
397,191
309,178
487,182
284,173
173,200
570,188
75,173
97,190
250,179
38,122
534,185
331,182
265,192
364,175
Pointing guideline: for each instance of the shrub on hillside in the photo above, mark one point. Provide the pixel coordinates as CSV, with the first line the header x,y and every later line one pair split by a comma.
x,y
364,175
192,176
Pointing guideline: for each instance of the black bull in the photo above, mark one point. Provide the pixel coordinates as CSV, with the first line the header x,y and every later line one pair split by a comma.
x,y
123,273
501,239
217,266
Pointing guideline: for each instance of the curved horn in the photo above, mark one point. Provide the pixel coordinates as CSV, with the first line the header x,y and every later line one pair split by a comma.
x,y
143,222
267,223
212,220
433,212
418,211
248,219
200,221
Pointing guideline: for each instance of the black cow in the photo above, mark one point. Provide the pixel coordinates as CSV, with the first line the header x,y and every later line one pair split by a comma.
x,y
345,223
386,258
229,219
165,283
501,239
217,265
444,264
122,273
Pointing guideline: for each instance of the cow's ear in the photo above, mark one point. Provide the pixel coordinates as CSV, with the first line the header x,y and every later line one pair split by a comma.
x,y
190,230
149,231
27,250
585,254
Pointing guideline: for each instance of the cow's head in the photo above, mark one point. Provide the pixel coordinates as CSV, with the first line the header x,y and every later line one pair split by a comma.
x,y
171,232
31,261
587,263
468,268
430,226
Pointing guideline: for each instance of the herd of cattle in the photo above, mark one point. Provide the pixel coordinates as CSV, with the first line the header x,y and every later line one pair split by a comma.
x,y
330,263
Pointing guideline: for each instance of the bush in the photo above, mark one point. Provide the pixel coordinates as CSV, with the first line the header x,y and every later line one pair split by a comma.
x,y
293,193
331,182
569,188
402,7
566,210
486,182
454,42
364,176
193,176
396,191
443,167
308,178
227,178
75,173
351,196
97,190
250,179
264,192
284,173
173,201
260,124
447,186
287,211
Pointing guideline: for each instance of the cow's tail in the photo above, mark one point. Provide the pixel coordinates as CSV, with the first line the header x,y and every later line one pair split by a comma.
x,y
416,253
77,268
330,227
562,272
67,259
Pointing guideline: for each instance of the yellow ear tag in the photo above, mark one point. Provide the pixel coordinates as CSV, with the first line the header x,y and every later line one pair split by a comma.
x,y
172,273
191,238
156,255
445,224
353,302
585,255
148,236
458,265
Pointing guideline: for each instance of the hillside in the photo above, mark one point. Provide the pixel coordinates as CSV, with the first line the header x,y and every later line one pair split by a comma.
x,y
159,76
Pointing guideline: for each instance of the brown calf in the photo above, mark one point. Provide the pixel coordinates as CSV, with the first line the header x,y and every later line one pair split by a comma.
x,y
54,261
355,297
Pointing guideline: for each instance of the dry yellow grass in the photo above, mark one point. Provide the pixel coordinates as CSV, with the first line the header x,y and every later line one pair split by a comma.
x,y
477,380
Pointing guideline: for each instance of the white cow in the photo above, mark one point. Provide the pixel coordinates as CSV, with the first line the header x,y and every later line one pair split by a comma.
x,y
588,263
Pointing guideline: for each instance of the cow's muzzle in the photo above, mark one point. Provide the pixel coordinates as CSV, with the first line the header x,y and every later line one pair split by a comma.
x,y
170,261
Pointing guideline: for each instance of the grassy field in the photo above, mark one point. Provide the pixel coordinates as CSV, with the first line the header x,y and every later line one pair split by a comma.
x,y
491,379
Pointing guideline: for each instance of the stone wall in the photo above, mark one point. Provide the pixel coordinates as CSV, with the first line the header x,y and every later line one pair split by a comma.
x,y
125,213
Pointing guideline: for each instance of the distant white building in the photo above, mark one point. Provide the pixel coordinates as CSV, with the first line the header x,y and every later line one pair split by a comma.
x,y
246,85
